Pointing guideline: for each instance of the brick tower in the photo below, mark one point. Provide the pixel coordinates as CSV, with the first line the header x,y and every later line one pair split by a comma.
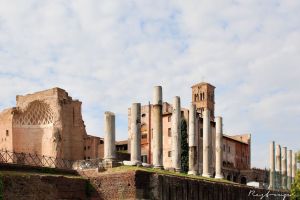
x,y
203,96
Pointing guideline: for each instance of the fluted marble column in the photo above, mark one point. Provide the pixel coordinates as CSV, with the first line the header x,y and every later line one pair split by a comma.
x,y
284,168
176,135
109,137
157,128
193,165
207,154
278,166
272,166
135,148
219,150
289,169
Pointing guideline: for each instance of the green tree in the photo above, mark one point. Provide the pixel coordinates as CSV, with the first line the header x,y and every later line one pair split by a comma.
x,y
295,191
184,147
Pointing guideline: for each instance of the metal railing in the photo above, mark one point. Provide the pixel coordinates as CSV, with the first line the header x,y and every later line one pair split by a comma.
x,y
34,160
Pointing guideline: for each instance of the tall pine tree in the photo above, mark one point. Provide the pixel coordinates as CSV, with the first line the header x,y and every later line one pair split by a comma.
x,y
184,147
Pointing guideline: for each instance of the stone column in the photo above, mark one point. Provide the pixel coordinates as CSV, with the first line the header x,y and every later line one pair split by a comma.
x,y
289,169
294,164
109,139
206,144
193,165
157,128
284,168
272,166
219,144
135,148
278,166
176,135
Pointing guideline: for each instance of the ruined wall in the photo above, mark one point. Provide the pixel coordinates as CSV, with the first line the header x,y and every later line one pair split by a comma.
x,y
73,129
93,147
44,187
228,153
34,123
6,136
145,185
46,123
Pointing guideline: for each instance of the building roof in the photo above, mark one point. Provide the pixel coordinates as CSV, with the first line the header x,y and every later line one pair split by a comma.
x,y
122,142
244,138
203,83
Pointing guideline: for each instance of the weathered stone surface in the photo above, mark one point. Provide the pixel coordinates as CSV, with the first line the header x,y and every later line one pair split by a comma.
x,y
145,185
47,123
219,147
176,135
278,166
207,144
45,187
272,165
109,137
135,135
130,163
284,167
157,128
147,165
289,169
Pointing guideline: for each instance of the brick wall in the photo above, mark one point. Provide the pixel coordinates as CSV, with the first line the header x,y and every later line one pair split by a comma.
x,y
144,185
43,187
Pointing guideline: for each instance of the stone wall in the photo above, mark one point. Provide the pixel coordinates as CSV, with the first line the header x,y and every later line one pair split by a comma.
x,y
145,185
123,185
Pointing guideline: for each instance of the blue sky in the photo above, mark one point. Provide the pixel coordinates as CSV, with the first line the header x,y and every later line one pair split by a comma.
x,y
109,54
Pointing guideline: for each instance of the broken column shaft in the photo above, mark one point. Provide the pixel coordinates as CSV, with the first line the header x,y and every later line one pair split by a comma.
x,y
157,128
176,135
207,154
284,168
278,166
135,148
272,166
193,165
289,169
109,139
219,137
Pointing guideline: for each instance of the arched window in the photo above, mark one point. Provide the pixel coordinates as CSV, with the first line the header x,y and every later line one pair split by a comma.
x,y
228,177
243,180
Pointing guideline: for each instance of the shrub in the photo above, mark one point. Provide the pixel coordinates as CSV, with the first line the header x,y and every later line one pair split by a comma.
x,y
295,191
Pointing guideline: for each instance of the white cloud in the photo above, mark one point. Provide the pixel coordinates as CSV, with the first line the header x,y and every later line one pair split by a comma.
x,y
109,54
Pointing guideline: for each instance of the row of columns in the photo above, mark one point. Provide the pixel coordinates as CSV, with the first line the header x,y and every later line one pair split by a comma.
x,y
207,145
135,136
283,167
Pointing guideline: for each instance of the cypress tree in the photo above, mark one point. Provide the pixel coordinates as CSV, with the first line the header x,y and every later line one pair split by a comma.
x,y
184,147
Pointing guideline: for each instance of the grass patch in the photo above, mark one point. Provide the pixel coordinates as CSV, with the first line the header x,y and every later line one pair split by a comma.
x,y
166,172
1,188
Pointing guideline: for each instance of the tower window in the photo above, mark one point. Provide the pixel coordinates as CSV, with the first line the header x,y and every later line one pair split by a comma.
x,y
201,132
169,132
144,136
169,118
169,153
7,133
